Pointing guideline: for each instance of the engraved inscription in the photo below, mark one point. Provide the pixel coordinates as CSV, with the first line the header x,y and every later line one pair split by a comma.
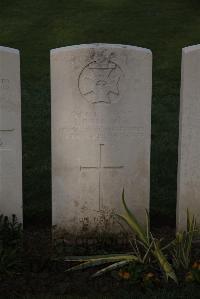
x,y
99,81
4,93
100,168
94,119
99,133
5,138
95,126
4,83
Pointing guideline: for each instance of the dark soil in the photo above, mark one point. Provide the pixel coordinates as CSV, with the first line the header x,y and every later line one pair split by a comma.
x,y
41,268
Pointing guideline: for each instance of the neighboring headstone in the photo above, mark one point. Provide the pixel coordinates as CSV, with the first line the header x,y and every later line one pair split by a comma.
x,y
10,134
189,138
101,118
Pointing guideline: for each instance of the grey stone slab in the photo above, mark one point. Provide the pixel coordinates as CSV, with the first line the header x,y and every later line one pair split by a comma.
x,y
188,189
101,125
10,134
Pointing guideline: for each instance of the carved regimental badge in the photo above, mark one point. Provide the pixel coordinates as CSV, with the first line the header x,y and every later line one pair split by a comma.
x,y
99,81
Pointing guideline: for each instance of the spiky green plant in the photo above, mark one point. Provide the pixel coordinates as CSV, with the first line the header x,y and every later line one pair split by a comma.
x,y
151,245
182,245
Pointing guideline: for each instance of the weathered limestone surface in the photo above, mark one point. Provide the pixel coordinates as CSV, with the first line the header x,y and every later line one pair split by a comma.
x,y
10,134
189,137
101,116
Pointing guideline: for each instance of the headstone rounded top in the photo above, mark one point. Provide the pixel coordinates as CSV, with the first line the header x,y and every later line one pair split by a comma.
x,y
190,49
100,45
9,50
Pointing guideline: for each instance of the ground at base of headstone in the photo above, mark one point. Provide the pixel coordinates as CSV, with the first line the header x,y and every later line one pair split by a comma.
x,y
41,270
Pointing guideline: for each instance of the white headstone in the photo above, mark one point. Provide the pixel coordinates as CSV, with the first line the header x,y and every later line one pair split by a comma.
x,y
101,115
10,134
189,137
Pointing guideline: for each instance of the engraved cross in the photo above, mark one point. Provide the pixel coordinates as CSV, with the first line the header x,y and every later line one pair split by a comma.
x,y
100,169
